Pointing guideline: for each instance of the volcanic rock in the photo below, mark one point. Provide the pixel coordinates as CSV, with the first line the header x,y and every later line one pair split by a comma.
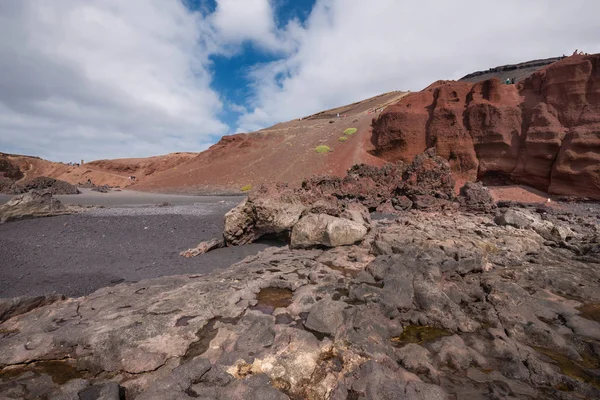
x,y
326,316
429,314
8,169
476,197
276,209
523,219
30,205
8,186
50,185
325,230
11,307
102,391
542,132
268,212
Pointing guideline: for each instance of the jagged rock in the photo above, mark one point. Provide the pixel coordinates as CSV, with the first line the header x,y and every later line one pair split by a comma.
x,y
325,230
428,175
30,205
476,197
177,385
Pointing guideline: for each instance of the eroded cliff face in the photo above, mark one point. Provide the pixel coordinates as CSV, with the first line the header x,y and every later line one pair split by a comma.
x,y
544,132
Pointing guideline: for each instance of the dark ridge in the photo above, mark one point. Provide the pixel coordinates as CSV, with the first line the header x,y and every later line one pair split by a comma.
x,y
520,71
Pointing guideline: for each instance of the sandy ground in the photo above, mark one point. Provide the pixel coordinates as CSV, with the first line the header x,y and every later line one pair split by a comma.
x,y
133,198
77,254
520,193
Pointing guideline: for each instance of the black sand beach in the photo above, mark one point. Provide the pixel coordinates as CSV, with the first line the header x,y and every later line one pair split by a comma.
x,y
76,254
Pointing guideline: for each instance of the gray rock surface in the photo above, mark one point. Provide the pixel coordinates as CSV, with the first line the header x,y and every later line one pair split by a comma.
x,y
326,316
428,306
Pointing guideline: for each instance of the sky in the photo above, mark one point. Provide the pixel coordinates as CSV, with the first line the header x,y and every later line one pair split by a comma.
x,y
95,79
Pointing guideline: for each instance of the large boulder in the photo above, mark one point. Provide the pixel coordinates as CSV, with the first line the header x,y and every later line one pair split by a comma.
x,y
476,197
326,230
30,205
261,215
543,132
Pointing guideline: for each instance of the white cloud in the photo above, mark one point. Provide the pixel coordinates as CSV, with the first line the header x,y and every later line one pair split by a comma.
x,y
353,49
238,21
105,78
114,78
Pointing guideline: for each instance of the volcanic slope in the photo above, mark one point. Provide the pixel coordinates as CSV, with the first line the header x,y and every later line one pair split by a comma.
x,y
102,172
286,152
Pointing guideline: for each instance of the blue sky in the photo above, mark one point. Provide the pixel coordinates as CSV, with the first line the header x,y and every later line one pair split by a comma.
x,y
112,78
230,72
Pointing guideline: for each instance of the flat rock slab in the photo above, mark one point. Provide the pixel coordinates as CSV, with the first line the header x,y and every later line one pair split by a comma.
x,y
437,306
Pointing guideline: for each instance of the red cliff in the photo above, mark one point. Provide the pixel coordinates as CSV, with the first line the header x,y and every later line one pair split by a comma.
x,y
544,131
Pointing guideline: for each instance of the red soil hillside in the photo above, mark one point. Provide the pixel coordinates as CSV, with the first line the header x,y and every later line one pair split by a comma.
x,y
103,172
544,132
282,153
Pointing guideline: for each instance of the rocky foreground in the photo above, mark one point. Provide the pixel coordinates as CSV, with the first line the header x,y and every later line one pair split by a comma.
x,y
443,300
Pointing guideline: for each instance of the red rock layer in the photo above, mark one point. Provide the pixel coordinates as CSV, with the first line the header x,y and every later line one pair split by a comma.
x,y
544,132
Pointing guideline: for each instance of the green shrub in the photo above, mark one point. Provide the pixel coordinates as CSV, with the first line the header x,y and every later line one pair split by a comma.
x,y
350,131
322,149
246,188
343,139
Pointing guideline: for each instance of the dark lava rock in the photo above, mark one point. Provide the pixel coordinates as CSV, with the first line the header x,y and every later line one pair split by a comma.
x,y
475,197
51,185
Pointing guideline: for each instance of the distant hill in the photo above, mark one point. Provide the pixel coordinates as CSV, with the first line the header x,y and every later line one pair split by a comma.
x,y
102,172
518,71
